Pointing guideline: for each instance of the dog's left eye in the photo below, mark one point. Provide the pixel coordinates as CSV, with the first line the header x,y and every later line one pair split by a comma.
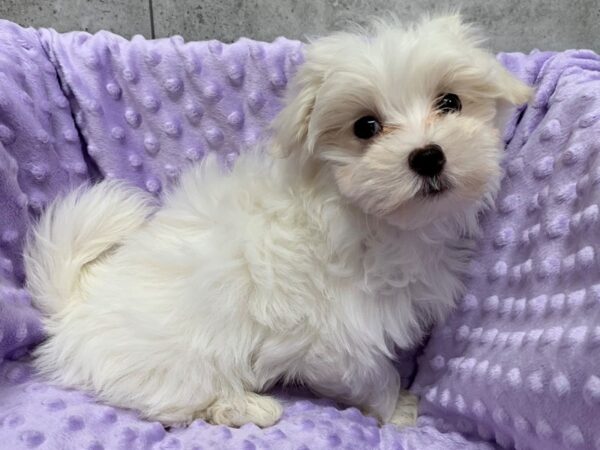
x,y
366,127
448,103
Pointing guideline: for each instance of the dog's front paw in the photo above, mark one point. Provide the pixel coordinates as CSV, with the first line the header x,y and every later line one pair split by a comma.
x,y
260,410
405,414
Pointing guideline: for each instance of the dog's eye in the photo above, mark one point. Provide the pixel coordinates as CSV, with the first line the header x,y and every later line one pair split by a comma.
x,y
366,127
448,103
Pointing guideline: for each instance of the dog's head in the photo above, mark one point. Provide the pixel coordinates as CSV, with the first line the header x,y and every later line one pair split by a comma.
x,y
407,119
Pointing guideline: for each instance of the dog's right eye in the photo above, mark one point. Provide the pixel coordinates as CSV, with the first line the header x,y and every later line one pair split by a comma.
x,y
366,127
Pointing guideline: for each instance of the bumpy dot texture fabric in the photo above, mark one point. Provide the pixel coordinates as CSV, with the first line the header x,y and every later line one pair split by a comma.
x,y
515,366
40,153
149,108
37,415
519,362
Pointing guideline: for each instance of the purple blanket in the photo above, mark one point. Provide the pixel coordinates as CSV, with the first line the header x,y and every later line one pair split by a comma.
x,y
516,366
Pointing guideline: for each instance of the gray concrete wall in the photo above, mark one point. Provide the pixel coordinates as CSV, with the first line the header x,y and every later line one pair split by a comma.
x,y
512,25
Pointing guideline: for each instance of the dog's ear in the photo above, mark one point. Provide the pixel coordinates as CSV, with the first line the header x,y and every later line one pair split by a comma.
x,y
509,92
507,87
499,82
291,128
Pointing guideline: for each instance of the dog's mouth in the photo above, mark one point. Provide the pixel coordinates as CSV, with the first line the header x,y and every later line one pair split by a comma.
x,y
434,187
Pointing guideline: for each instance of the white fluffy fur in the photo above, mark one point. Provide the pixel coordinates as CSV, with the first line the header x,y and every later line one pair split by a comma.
x,y
312,267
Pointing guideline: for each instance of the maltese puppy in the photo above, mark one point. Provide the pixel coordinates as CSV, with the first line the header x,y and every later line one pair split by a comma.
x,y
311,265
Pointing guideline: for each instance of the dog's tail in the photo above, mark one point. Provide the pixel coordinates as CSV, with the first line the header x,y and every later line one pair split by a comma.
x,y
73,232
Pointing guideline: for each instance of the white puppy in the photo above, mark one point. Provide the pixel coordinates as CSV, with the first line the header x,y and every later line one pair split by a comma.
x,y
308,267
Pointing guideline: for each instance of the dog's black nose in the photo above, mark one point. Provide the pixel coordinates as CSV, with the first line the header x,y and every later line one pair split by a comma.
x,y
427,161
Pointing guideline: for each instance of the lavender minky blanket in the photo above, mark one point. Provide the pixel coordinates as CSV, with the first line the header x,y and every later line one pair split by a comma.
x,y
517,365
